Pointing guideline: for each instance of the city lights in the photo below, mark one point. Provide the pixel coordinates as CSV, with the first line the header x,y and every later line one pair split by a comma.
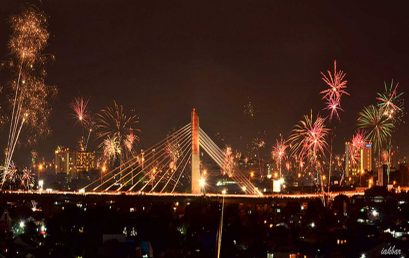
x,y
156,130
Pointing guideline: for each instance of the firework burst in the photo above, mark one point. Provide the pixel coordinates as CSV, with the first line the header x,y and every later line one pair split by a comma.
x,y
249,109
111,148
174,152
336,89
391,102
228,163
336,83
377,126
79,106
357,143
308,138
29,35
333,106
27,179
113,122
30,93
278,152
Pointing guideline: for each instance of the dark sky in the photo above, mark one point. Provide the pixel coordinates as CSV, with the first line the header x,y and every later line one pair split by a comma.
x,y
164,57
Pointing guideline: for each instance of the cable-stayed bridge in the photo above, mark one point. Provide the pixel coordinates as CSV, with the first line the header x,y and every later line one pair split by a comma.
x,y
171,166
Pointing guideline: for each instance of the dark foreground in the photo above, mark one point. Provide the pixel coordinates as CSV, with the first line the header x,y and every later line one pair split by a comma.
x,y
67,226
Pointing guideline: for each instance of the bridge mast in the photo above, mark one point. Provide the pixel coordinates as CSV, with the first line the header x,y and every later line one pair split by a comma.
x,y
195,153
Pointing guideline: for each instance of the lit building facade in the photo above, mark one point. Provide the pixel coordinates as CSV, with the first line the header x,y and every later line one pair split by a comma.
x,y
68,161
363,159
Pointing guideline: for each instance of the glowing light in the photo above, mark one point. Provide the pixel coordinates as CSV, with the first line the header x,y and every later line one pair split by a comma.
x,y
202,182
40,184
375,213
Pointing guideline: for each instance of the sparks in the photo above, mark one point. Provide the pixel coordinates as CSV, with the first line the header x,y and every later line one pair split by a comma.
x,y
333,106
391,102
79,106
336,82
336,89
308,138
113,122
111,148
357,143
278,152
228,163
377,126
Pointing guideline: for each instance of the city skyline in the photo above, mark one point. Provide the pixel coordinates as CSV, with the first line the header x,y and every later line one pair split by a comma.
x,y
219,69
203,129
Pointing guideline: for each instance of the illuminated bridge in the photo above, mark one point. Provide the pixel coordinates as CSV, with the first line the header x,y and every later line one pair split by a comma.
x,y
169,167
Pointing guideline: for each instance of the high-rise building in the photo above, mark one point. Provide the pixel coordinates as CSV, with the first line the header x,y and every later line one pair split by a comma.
x,y
63,160
68,161
366,157
361,162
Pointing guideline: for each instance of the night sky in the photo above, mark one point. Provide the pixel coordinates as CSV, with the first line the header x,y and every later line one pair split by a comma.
x,y
162,58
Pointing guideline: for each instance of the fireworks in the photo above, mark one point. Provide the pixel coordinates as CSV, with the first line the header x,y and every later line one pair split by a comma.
x,y
336,83
113,123
278,152
358,140
390,101
174,152
129,141
27,180
249,109
228,163
30,93
29,35
337,88
378,126
79,106
333,106
308,138
111,148
357,143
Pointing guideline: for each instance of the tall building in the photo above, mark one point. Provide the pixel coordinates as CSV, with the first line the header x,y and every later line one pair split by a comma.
x,y
361,162
63,160
68,161
366,157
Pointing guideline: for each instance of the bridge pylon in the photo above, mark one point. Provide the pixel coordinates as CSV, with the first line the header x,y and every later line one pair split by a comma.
x,y
196,189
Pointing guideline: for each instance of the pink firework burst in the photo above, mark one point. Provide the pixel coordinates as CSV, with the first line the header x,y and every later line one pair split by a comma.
x,y
357,143
336,83
279,149
333,106
336,89
79,106
358,140
308,138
